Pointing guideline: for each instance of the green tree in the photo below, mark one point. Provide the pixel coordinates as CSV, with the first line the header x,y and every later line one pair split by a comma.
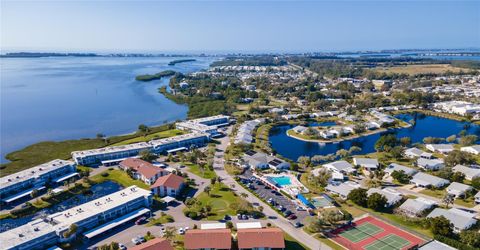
x,y
358,196
440,226
471,238
476,183
169,233
451,138
405,141
468,140
304,161
147,155
458,157
207,190
448,199
376,201
386,142
401,177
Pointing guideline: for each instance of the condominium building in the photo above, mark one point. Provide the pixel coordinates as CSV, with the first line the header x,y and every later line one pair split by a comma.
x,y
92,218
21,184
119,153
204,125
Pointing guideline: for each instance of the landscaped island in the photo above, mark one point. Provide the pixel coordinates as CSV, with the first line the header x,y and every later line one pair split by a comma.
x,y
159,75
180,61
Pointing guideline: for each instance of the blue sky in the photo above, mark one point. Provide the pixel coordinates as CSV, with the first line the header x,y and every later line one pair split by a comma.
x,y
241,26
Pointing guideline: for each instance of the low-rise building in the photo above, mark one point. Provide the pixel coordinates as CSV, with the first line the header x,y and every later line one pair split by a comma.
x,y
245,131
436,245
342,189
257,160
425,180
458,189
469,173
393,197
208,239
475,149
204,125
430,164
341,167
21,184
417,153
260,238
460,219
168,185
397,167
366,163
477,198
299,129
36,234
142,170
440,148
416,207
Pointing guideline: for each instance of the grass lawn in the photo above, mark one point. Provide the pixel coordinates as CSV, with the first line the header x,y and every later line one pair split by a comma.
x,y
196,170
164,218
157,135
434,193
419,69
220,199
292,244
42,152
466,203
120,177
328,242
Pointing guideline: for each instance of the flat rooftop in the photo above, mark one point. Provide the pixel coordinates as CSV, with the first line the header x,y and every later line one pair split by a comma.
x,y
25,233
113,149
177,138
33,172
98,206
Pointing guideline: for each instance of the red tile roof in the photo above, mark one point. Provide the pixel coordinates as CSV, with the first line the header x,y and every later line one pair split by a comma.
x,y
208,238
171,180
144,168
260,237
155,244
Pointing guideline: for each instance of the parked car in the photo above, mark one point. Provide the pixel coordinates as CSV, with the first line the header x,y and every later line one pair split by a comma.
x,y
287,213
239,216
227,217
292,217
300,208
121,246
298,224
245,217
136,240
181,231
141,220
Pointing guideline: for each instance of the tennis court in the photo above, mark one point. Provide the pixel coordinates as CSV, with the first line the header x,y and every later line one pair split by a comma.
x,y
370,233
356,234
389,242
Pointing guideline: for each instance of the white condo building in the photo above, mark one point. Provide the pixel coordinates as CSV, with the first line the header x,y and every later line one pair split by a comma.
x,y
21,184
92,218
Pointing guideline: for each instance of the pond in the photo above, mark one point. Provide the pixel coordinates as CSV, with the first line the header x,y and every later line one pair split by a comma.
x,y
99,190
425,126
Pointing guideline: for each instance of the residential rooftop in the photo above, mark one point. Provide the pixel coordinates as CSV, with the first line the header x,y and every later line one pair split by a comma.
x,y
25,233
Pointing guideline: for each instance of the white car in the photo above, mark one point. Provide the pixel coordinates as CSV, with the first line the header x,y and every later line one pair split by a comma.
x,y
136,240
181,231
121,246
186,228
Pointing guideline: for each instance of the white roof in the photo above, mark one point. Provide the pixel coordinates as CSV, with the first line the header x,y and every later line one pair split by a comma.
x,y
213,226
342,188
366,162
436,245
98,206
177,138
340,166
391,194
460,187
459,219
33,172
417,205
426,179
467,171
25,233
429,162
397,167
246,225
112,149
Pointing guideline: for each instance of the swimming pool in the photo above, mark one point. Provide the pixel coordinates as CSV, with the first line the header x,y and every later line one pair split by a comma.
x,y
280,180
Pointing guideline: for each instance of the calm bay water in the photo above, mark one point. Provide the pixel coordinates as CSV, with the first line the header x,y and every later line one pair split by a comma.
x,y
60,98
426,126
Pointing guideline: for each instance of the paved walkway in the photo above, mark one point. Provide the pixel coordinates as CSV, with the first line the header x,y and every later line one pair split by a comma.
x,y
280,221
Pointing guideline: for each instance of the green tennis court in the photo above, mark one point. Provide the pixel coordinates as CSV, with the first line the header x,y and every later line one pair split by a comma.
x,y
359,233
389,242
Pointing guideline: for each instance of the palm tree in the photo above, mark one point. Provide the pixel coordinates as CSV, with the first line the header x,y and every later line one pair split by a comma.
x,y
207,190
169,233
448,199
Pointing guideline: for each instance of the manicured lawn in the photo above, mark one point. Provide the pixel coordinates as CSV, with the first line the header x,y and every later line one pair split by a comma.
x,y
434,193
165,218
292,244
204,173
466,203
328,242
120,177
220,199
158,135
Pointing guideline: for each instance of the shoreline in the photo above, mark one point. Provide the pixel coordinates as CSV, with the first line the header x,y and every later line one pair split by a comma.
x,y
337,140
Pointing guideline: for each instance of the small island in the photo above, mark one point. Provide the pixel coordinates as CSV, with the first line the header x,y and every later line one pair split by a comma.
x,y
180,61
159,75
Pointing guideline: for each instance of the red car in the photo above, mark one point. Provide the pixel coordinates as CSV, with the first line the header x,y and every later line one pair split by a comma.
x,y
141,220
292,217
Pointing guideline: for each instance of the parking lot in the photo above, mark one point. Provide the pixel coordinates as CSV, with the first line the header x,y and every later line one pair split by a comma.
x,y
274,198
